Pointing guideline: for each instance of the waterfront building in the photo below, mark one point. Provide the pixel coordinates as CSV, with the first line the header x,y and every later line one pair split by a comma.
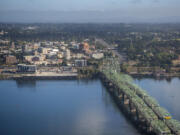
x,y
23,68
67,69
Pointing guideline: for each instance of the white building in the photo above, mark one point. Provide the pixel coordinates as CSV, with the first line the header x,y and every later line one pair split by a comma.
x,y
67,54
97,55
80,63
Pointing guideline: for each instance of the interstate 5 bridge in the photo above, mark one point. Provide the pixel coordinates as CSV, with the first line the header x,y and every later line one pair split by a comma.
x,y
143,110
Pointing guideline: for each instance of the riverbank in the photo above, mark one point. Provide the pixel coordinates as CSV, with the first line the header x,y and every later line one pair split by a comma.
x,y
40,76
161,77
83,74
165,75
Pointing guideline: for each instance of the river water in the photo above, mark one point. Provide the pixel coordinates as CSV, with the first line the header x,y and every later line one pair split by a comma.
x,y
52,107
166,92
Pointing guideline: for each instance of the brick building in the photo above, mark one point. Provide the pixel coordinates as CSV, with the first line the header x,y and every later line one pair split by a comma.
x,y
11,60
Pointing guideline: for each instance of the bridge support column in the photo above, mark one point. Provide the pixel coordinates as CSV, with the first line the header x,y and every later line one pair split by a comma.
x,y
132,111
121,96
140,118
126,100
149,129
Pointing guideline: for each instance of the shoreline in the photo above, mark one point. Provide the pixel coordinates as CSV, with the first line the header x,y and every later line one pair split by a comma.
x,y
155,76
54,76
72,76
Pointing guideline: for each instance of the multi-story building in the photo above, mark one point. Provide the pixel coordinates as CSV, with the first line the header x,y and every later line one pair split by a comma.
x,y
80,63
84,47
11,60
67,54
23,68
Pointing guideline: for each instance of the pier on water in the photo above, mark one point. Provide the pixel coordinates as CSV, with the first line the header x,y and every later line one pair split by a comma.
x,y
143,110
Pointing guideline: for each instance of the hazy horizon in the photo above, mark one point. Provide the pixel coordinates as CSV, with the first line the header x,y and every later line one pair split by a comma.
x,y
90,11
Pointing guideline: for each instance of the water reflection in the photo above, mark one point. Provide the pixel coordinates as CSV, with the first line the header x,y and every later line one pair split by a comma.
x,y
86,81
59,107
108,101
91,120
26,83
168,79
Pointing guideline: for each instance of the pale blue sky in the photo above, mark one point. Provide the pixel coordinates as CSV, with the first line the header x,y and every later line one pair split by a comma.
x,y
59,5
113,10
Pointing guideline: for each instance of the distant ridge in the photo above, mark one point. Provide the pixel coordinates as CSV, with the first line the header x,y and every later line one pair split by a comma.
x,y
80,17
